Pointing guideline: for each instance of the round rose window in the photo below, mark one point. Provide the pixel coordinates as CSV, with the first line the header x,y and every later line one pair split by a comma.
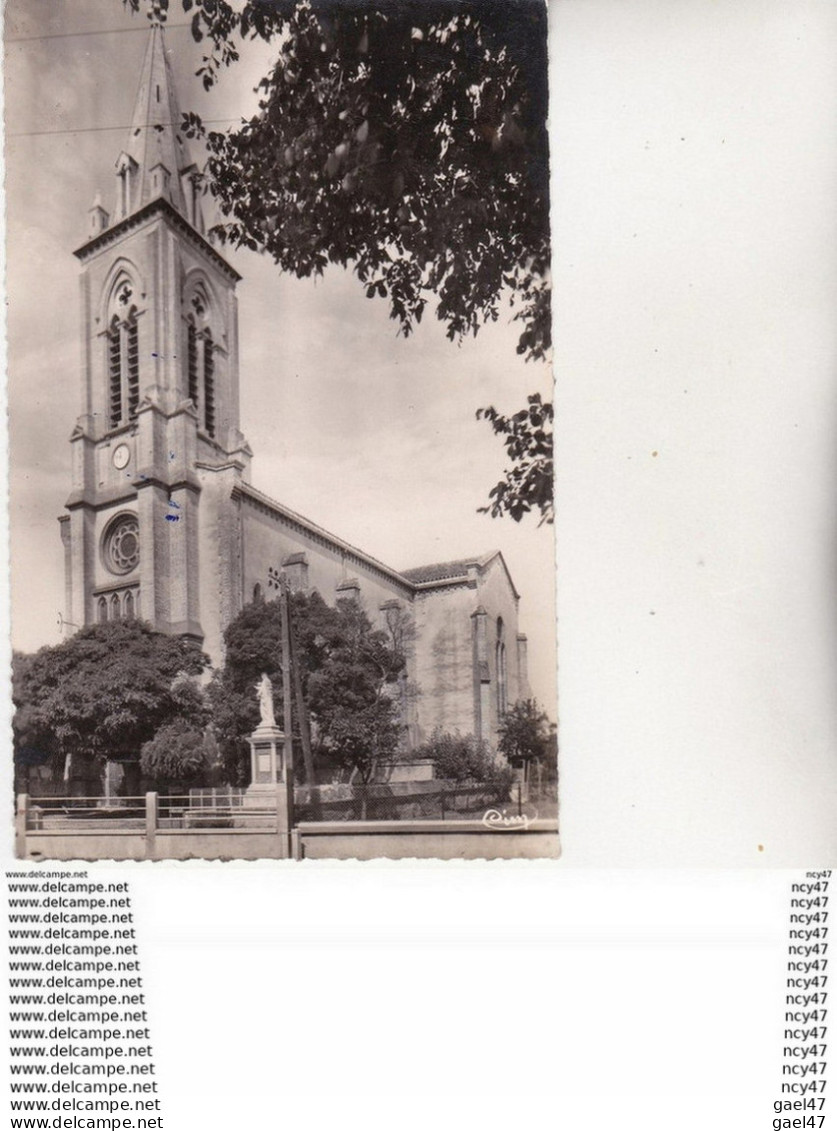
x,y
121,544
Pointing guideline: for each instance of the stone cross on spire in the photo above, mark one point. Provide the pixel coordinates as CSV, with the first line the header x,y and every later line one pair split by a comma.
x,y
157,15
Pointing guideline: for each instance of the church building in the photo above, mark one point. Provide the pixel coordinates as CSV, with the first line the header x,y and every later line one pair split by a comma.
x,y
162,521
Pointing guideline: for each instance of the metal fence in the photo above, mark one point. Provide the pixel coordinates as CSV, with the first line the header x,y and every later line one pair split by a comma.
x,y
86,813
127,814
186,812
437,800
230,808
224,796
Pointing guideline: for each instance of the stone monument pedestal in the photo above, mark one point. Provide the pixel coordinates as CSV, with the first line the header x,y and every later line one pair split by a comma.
x,y
267,760
269,790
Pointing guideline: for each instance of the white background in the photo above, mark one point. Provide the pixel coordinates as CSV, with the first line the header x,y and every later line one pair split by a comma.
x,y
696,169
695,163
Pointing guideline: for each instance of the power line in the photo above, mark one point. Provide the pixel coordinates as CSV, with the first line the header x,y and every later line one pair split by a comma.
x,y
82,34
107,129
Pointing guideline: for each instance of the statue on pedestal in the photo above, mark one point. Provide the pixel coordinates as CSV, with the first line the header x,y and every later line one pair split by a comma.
x,y
264,691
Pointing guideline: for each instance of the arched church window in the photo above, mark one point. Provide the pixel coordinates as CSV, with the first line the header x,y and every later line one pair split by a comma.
x,y
209,384
120,546
201,349
257,593
129,605
192,351
102,610
132,351
115,610
115,372
502,672
123,358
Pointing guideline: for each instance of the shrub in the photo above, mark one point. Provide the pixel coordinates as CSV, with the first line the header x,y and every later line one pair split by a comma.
x,y
175,756
458,757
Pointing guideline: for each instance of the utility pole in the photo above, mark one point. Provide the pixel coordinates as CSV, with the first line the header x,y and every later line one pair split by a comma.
x,y
285,620
301,709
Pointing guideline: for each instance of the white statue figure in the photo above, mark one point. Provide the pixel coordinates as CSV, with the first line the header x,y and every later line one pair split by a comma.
x,y
264,690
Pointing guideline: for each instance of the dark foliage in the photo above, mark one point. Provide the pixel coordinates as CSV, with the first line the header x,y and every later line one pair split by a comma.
x,y
527,484
104,692
349,671
176,757
406,139
526,734
458,757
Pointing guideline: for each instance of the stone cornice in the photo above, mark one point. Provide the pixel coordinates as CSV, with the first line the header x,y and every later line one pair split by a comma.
x,y
162,207
98,500
317,534
463,582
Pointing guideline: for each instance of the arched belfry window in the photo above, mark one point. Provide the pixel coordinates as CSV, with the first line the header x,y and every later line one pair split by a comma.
x,y
200,363
209,383
502,670
123,358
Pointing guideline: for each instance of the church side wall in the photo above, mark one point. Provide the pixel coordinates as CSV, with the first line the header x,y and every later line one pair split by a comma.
x,y
219,555
445,660
496,597
269,540
455,693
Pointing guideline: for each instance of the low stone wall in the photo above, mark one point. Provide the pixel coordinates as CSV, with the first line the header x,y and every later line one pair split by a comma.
x,y
424,840
191,844
496,837
84,846
338,840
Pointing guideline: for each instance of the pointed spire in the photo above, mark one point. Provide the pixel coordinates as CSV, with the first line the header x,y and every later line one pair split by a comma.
x,y
156,160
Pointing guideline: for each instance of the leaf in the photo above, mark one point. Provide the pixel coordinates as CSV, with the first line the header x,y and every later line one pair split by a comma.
x,y
454,186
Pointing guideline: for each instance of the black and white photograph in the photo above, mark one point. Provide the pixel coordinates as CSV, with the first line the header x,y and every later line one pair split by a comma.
x,y
280,414
299,828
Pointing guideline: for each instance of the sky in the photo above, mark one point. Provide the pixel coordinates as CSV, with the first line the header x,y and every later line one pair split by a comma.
x,y
371,435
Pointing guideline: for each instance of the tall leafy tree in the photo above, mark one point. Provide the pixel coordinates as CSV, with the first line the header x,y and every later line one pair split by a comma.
x,y
102,694
349,672
525,733
405,138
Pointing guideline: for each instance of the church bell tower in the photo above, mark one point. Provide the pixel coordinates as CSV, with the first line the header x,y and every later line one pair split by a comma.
x,y
157,438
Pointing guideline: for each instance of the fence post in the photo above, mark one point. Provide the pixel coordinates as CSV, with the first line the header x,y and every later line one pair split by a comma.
x,y
151,826
519,800
21,818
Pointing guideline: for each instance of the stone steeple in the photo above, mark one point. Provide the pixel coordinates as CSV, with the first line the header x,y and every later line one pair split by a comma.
x,y
156,161
157,448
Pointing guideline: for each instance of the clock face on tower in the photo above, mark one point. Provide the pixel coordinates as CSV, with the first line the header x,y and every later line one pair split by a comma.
x,y
121,456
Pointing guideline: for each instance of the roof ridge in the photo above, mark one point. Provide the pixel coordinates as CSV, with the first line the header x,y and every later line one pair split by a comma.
x,y
295,516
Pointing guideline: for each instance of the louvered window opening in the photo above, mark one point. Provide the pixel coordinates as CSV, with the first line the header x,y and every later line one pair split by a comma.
x,y
209,385
115,371
133,369
193,364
